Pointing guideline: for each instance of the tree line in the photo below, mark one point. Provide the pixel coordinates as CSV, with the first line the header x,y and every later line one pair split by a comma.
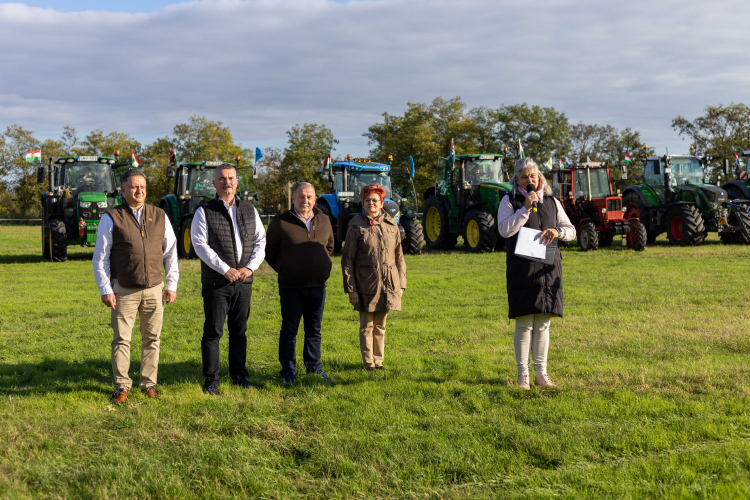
x,y
424,131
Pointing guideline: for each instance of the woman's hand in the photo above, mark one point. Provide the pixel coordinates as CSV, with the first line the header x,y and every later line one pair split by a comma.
x,y
531,198
353,298
548,235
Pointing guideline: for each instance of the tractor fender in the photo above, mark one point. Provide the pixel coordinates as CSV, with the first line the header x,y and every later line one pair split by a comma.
x,y
639,191
676,203
411,215
169,205
429,193
332,202
741,185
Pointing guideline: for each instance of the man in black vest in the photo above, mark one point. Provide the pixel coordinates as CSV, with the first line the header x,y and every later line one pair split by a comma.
x,y
229,238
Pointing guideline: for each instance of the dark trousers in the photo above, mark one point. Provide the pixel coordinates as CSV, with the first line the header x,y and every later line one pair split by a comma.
x,y
229,303
297,303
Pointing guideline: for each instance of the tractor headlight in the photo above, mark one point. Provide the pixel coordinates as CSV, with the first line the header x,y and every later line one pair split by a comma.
x,y
604,210
85,204
101,204
714,205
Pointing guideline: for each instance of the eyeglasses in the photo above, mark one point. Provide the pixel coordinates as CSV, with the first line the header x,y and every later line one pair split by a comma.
x,y
371,200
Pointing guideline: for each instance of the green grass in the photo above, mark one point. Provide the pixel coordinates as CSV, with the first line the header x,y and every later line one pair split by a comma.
x,y
651,361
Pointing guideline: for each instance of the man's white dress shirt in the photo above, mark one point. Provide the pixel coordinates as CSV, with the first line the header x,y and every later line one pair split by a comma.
x,y
308,222
103,250
199,235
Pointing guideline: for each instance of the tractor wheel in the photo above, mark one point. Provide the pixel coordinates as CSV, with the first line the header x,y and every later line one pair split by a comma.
x,y
58,235
45,243
185,241
326,209
685,226
634,209
480,234
435,225
588,238
738,236
638,237
414,237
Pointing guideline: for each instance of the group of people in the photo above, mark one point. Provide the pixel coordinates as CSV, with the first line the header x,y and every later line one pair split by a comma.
x,y
136,240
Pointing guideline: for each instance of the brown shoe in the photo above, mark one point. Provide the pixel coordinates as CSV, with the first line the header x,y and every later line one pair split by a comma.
x,y
150,392
121,395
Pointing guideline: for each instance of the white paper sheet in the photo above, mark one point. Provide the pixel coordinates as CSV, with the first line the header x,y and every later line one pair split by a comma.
x,y
528,244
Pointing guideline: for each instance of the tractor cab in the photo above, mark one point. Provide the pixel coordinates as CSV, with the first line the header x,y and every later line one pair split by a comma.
x,y
586,192
739,188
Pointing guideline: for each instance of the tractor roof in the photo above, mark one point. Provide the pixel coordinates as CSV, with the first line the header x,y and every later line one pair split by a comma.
x,y
98,159
207,164
479,156
361,164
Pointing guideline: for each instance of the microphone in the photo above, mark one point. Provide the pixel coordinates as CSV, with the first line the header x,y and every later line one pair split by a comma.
x,y
531,188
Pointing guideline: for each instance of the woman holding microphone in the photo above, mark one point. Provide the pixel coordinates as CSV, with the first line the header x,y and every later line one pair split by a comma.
x,y
535,289
374,272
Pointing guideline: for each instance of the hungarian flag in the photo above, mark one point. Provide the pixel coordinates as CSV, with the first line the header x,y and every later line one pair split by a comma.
x,y
35,155
327,163
134,161
452,155
628,158
172,157
561,163
519,153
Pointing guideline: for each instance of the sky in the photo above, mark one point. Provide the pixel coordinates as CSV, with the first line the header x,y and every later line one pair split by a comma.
x,y
262,66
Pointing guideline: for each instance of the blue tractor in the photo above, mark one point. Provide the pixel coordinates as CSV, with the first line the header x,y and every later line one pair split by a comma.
x,y
343,202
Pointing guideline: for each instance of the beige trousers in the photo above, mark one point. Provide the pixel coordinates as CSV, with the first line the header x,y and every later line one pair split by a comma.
x,y
532,334
372,337
130,302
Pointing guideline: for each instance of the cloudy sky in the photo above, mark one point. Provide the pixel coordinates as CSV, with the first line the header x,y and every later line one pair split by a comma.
x,y
261,66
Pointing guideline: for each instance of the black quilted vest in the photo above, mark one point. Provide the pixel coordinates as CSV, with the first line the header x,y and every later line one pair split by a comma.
x,y
221,237
533,287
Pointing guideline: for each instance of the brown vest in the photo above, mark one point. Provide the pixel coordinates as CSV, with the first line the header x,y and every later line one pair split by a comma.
x,y
137,256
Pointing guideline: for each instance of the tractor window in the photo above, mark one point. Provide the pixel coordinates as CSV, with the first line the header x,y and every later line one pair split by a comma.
x,y
556,184
338,182
599,183
565,184
654,179
479,171
201,182
443,171
358,180
88,176
686,170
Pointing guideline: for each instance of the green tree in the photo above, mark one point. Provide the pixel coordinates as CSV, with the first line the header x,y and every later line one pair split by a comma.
x,y
306,150
97,143
720,131
272,190
20,176
204,140
155,159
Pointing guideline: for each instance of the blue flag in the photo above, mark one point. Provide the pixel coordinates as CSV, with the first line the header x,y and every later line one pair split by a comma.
x,y
411,166
258,155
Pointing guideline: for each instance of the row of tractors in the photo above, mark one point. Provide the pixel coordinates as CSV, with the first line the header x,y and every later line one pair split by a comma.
x,y
672,198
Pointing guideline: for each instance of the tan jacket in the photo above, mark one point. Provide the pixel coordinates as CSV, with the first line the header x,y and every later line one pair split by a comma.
x,y
373,263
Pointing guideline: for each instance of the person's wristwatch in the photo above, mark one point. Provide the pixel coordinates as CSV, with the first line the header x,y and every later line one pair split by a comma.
x,y
559,231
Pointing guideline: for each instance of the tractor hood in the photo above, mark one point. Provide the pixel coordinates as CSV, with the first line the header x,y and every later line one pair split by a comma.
x,y
500,186
92,197
715,194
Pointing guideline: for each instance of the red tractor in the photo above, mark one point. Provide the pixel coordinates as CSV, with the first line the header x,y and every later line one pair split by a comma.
x,y
585,192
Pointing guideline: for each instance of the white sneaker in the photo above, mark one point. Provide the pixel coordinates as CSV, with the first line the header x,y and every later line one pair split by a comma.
x,y
523,382
542,380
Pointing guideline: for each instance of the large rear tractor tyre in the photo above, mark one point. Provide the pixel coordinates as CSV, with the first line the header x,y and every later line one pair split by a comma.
x,y
435,225
638,237
480,234
45,242
326,209
736,219
59,238
414,237
588,238
685,226
185,241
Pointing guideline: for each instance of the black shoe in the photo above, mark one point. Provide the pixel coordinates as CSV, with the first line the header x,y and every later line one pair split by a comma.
x,y
211,390
288,378
324,375
380,367
369,368
244,383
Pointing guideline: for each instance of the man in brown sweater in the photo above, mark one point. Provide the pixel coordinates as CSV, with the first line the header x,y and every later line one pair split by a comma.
x,y
299,246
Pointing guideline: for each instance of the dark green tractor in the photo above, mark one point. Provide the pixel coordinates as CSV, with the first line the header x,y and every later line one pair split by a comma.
x,y
739,189
674,199
81,189
193,186
464,201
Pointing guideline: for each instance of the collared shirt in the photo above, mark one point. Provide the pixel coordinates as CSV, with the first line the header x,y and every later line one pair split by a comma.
x,y
307,222
103,251
509,222
199,235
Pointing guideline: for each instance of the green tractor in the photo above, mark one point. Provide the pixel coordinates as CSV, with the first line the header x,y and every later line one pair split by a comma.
x,y
193,186
464,201
739,189
674,199
81,189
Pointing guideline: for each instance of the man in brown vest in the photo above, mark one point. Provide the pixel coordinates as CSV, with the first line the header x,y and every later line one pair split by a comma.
x,y
133,242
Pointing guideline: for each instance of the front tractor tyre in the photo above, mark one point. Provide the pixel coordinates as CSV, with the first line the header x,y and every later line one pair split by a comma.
x,y
685,226
479,232
413,235
185,241
58,236
435,225
736,219
588,238
638,237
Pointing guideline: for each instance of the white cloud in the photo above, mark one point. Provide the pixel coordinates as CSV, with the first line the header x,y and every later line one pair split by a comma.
x,y
262,66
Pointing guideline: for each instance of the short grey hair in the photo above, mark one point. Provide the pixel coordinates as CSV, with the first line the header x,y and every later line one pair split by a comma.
x,y
225,166
132,172
302,185
525,164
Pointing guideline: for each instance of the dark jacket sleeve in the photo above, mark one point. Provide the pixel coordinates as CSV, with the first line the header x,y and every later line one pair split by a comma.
x,y
329,243
273,242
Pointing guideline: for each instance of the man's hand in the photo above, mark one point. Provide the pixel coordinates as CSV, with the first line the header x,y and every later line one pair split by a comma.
x,y
530,199
232,275
548,235
244,273
169,297
353,298
401,293
110,300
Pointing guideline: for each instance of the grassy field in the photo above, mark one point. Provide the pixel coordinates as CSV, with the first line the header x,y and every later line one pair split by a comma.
x,y
651,361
